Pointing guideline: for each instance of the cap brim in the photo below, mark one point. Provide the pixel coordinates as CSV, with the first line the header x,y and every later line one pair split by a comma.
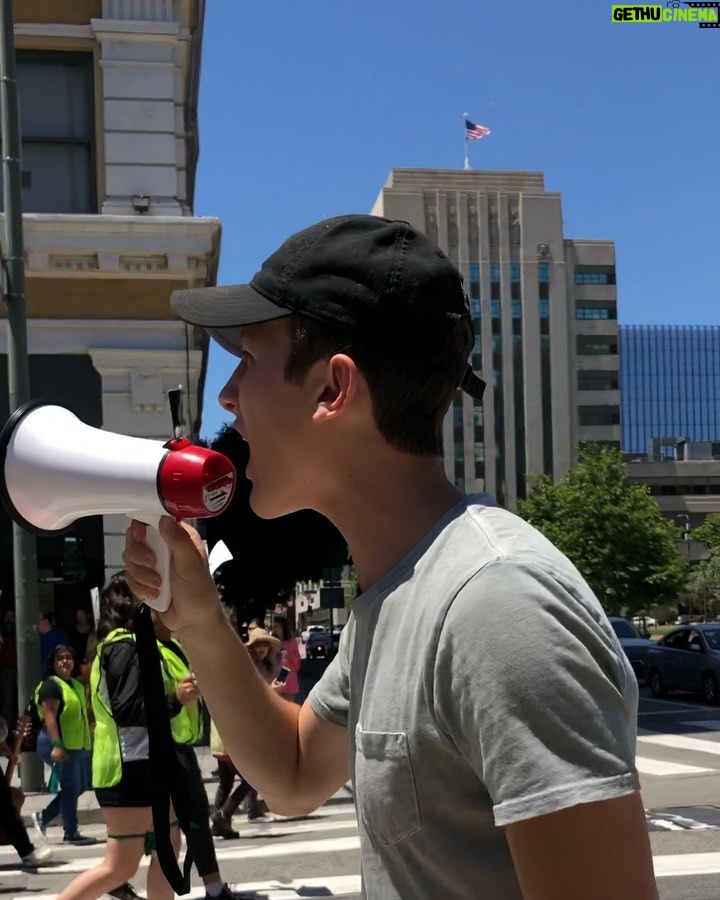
x,y
225,307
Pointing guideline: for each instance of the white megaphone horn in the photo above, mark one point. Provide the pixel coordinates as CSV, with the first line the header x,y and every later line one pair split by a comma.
x,y
55,469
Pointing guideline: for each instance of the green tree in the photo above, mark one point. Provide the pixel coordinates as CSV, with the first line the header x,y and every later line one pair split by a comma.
x,y
612,530
709,532
704,586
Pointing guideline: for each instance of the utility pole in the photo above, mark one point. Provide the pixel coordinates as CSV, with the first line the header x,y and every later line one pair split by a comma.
x,y
24,545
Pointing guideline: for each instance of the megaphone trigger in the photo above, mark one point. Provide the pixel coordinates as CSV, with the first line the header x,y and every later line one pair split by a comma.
x,y
160,549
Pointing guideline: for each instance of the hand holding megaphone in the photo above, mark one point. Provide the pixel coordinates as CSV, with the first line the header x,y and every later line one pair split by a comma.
x,y
55,470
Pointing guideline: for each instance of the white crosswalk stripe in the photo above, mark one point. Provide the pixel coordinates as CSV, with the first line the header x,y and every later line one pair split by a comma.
x,y
272,846
670,755
326,842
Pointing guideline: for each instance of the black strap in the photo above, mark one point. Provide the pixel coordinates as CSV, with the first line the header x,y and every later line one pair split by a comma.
x,y
167,778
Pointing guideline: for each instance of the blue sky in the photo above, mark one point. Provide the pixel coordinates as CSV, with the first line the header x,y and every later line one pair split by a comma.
x,y
305,108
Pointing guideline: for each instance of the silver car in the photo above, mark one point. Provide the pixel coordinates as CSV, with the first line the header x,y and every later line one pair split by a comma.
x,y
686,659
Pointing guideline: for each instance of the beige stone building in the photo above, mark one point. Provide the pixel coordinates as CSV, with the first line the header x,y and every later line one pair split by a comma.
x,y
108,97
545,313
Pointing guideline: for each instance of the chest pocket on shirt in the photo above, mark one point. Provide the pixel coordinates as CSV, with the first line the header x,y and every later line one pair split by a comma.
x,y
385,786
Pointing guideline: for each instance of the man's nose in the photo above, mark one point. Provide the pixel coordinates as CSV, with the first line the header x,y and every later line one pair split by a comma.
x,y
227,398
227,401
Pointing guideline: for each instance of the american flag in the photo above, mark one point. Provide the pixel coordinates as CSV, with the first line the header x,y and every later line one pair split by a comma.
x,y
474,132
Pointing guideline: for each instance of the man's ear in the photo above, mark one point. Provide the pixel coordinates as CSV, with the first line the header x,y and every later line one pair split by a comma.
x,y
340,387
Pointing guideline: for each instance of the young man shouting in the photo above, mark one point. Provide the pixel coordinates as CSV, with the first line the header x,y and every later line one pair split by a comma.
x,y
479,699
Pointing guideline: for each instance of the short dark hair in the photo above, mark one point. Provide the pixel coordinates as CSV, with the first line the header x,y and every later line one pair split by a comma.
x,y
409,399
117,607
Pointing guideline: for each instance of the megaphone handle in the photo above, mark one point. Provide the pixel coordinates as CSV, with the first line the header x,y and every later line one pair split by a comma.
x,y
161,550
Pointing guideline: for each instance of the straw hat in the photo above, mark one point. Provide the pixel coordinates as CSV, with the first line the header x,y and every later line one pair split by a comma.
x,y
260,636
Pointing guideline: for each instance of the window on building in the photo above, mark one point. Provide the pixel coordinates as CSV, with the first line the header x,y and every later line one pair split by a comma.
x,y
478,416
494,271
598,415
479,452
474,272
546,398
519,403
543,272
57,106
494,290
475,309
591,345
495,309
544,309
477,345
594,275
585,309
516,307
515,272
597,381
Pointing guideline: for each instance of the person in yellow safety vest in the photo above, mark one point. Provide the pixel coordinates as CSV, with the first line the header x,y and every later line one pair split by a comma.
x,y
120,758
187,729
64,743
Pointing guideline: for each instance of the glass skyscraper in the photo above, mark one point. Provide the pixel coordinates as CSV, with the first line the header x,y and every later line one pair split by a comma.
x,y
669,384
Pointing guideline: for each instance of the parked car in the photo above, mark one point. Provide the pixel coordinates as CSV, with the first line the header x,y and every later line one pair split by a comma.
x,y
686,659
311,629
319,645
636,647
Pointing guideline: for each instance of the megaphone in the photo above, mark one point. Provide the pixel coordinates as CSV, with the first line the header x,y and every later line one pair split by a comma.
x,y
55,469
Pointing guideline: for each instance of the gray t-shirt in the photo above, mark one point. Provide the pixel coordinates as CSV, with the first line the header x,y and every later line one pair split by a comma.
x,y
481,684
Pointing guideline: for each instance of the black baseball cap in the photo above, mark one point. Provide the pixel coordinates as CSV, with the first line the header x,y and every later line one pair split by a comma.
x,y
381,281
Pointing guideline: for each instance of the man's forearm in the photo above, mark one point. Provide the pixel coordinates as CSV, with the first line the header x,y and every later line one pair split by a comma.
x,y
259,728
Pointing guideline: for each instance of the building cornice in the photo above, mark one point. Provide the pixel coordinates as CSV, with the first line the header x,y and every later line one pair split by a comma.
x,y
145,247
53,30
143,32
74,336
111,360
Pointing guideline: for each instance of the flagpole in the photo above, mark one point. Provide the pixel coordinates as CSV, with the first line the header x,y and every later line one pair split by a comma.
x,y
467,142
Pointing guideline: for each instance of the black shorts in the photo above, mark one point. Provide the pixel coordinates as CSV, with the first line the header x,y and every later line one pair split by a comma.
x,y
134,790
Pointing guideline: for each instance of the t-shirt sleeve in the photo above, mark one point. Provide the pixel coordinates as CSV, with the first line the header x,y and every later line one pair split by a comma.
x,y
330,698
532,690
50,690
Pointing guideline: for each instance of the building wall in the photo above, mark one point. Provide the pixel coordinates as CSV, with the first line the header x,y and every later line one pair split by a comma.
x,y
108,94
504,231
686,491
670,381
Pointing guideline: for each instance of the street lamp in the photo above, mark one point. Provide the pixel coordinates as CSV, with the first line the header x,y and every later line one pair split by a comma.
x,y
688,527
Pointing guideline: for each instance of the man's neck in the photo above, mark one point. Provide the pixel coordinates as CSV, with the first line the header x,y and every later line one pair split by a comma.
x,y
384,511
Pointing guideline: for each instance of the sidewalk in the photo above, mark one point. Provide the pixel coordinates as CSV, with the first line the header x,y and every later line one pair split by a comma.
x,y
89,812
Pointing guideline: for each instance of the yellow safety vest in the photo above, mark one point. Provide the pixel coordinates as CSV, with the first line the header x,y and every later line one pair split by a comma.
x,y
73,719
